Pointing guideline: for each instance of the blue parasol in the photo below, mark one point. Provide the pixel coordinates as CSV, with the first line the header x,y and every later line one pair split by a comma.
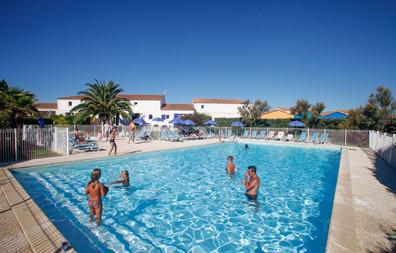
x,y
296,123
237,124
211,123
189,122
177,121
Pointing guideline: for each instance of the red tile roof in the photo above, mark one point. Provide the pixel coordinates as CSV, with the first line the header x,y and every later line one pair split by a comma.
x,y
217,101
126,96
46,105
178,107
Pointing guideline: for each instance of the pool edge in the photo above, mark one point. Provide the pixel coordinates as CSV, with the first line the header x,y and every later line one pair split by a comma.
x,y
342,235
33,229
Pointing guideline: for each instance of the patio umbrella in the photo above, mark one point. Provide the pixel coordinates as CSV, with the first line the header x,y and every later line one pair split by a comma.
x,y
237,124
210,123
177,121
296,123
139,121
189,122
158,119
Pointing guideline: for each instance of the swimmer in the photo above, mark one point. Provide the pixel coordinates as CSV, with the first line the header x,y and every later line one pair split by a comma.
x,y
125,178
246,146
230,167
96,191
251,182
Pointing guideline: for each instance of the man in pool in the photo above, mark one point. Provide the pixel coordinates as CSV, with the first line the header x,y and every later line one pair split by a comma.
x,y
96,190
251,182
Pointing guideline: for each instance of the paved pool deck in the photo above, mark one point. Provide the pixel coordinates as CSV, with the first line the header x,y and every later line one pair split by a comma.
x,y
363,218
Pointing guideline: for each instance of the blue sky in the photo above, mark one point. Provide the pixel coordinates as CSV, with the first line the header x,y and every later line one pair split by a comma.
x,y
337,52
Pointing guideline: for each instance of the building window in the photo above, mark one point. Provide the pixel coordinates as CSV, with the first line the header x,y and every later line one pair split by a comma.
x,y
202,106
69,103
135,103
150,116
167,116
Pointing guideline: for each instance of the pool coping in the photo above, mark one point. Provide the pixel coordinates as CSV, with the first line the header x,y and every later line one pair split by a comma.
x,y
341,233
342,237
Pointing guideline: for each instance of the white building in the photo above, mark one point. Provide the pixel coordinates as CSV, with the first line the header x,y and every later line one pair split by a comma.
x,y
148,106
218,108
154,106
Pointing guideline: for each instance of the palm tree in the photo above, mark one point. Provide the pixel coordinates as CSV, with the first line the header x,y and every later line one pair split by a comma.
x,y
102,100
16,104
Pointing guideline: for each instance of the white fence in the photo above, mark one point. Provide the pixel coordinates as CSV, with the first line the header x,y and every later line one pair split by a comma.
x,y
32,142
384,145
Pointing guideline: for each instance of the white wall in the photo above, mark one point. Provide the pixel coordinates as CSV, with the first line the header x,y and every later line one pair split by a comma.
x,y
63,105
218,110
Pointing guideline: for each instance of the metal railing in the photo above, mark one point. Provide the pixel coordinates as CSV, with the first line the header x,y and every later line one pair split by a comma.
x,y
32,142
384,145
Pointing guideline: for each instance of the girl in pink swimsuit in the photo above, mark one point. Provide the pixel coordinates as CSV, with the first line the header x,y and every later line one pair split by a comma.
x,y
96,191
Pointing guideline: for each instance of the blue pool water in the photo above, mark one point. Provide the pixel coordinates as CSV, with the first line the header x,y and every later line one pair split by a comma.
x,y
182,200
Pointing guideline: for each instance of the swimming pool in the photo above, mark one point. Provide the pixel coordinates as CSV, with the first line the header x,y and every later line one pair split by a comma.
x,y
182,200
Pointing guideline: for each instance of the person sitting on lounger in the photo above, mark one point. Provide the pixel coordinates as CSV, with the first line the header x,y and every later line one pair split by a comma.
x,y
124,178
96,191
252,183
231,168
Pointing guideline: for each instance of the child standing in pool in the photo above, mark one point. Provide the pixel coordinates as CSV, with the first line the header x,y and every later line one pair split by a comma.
x,y
96,191
124,178
230,167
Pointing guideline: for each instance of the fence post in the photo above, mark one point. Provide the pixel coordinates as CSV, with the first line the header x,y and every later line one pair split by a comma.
x,y
55,132
16,144
345,137
391,149
308,134
67,142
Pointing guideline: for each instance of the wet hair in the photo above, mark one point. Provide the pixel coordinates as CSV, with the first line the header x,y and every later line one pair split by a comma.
x,y
252,168
230,157
246,146
126,173
95,176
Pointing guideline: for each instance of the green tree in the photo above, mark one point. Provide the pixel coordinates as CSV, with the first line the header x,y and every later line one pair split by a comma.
x,y
316,110
377,114
250,113
198,118
302,108
102,100
16,104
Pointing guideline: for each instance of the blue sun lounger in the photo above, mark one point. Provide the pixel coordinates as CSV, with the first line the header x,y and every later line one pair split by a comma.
x,y
262,134
74,145
245,133
302,137
315,137
323,138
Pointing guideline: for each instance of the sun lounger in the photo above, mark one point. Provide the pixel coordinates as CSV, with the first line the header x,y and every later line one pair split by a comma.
x,y
280,136
143,135
254,134
315,137
245,133
289,137
262,134
302,137
229,133
323,138
91,146
270,135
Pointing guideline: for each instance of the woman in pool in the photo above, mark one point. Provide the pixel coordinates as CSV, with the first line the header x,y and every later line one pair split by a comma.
x,y
96,192
230,167
124,178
